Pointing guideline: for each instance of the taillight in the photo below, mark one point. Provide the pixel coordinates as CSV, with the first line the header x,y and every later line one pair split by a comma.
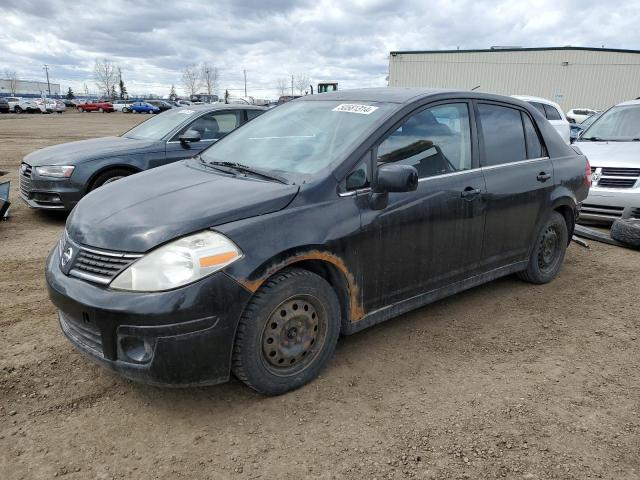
x,y
587,174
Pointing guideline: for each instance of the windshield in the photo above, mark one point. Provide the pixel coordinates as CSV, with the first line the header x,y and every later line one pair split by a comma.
x,y
156,128
300,137
621,123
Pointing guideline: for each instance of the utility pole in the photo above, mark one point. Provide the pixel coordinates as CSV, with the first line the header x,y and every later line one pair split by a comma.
x,y
245,82
292,85
46,69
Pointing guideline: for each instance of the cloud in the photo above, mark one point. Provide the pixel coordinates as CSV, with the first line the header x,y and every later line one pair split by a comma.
x,y
348,41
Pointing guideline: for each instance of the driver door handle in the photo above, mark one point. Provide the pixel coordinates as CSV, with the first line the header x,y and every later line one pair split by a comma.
x,y
470,193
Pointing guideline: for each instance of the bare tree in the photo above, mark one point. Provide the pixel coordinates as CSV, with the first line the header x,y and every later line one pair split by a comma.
x,y
301,82
12,77
209,77
191,79
105,74
283,86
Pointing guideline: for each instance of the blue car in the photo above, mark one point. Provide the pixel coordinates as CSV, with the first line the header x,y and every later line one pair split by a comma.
x,y
578,128
144,107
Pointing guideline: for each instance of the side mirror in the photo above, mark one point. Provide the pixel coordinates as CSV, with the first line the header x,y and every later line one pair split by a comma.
x,y
396,178
190,136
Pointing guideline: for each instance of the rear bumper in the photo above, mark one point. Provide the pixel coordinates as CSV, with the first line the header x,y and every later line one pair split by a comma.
x,y
182,337
605,205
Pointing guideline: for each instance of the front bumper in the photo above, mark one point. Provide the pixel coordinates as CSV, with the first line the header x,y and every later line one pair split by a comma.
x,y
605,205
62,194
182,337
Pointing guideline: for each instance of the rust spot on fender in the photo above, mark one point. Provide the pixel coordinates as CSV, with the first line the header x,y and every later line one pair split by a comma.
x,y
356,310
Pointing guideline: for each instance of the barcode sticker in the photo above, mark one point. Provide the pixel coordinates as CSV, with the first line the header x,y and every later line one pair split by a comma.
x,y
355,108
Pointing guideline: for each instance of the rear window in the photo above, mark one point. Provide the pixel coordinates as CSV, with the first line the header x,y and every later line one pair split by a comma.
x,y
502,133
251,114
551,113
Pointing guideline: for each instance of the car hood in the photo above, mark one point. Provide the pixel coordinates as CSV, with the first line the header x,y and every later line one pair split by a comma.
x,y
611,154
74,153
142,211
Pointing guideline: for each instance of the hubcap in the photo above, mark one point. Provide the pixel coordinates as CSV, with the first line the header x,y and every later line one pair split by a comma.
x,y
113,179
293,335
549,250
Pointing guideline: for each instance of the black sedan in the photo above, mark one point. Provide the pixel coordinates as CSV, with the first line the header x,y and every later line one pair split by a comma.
x,y
326,215
4,105
58,177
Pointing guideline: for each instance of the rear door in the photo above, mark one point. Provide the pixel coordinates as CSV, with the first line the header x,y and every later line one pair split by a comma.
x,y
431,237
212,127
519,179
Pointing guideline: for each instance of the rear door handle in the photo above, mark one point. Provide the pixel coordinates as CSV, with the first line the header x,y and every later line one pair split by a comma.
x,y
470,193
543,177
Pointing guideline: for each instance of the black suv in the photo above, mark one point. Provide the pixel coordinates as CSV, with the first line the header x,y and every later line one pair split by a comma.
x,y
326,215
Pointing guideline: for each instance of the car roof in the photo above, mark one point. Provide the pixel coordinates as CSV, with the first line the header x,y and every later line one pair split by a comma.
x,y
220,106
630,102
528,98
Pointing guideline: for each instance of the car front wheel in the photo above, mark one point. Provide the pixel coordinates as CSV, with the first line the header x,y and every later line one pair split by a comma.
x,y
108,177
125,110
287,333
548,252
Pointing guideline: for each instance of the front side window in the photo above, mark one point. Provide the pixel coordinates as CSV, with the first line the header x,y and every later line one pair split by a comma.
x,y
502,133
157,127
621,123
436,141
213,126
300,137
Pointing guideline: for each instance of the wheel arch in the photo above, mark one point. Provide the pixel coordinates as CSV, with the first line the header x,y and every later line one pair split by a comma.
x,y
567,208
106,168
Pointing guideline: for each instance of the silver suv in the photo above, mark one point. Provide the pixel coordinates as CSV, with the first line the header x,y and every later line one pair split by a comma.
x,y
612,145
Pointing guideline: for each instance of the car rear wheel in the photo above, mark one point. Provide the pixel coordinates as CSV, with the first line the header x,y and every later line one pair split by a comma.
x,y
17,109
125,110
287,333
108,177
548,252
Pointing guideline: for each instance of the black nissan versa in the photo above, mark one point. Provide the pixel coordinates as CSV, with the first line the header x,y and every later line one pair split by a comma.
x,y
326,215
55,178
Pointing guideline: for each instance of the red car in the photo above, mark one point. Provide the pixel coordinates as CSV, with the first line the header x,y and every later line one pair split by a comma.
x,y
95,106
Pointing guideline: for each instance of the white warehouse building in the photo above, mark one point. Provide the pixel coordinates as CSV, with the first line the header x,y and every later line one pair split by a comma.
x,y
571,76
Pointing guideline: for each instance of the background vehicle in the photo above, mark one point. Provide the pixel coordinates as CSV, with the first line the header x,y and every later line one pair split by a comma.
x,y
552,112
161,104
287,98
57,177
143,107
4,105
578,128
95,106
328,214
612,145
122,105
579,115
20,105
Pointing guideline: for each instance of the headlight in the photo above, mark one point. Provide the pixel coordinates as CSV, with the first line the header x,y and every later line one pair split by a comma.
x,y
58,171
178,263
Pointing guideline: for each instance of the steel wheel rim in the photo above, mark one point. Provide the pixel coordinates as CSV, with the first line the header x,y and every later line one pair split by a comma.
x,y
549,250
293,335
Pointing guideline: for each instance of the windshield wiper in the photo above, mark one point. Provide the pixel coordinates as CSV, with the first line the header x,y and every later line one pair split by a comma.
x,y
251,170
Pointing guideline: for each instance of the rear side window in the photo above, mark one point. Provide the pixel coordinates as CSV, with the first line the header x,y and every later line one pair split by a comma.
x,y
251,114
502,133
535,149
539,106
551,113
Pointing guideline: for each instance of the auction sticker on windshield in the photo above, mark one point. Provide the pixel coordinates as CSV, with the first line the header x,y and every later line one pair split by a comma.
x,y
355,108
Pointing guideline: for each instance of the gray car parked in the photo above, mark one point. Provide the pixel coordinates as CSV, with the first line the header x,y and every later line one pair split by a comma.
x,y
57,177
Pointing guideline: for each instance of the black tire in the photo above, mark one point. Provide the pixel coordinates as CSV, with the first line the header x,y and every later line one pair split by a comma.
x,y
80,109
109,176
125,110
17,109
278,347
548,252
627,231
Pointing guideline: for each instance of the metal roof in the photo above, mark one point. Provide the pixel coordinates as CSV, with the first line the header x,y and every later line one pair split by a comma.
x,y
533,49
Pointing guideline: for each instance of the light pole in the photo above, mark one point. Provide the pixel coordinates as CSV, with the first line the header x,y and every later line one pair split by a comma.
x,y
46,69
245,82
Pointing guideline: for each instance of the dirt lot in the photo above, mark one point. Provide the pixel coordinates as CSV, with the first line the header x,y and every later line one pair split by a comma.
x,y
507,380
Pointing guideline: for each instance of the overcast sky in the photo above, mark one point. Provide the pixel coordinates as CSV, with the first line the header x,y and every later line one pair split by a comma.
x,y
346,41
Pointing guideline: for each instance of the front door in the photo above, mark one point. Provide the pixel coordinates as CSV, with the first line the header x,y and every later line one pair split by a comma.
x,y
422,240
519,178
211,127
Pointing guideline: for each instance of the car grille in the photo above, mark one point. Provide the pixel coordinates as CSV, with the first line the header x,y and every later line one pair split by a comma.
x,y
601,211
100,267
616,177
83,332
25,179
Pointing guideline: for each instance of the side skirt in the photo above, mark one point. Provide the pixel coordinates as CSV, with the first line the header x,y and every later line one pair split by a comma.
x,y
391,311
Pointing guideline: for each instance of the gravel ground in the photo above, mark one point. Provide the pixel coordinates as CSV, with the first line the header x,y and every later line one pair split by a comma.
x,y
507,380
